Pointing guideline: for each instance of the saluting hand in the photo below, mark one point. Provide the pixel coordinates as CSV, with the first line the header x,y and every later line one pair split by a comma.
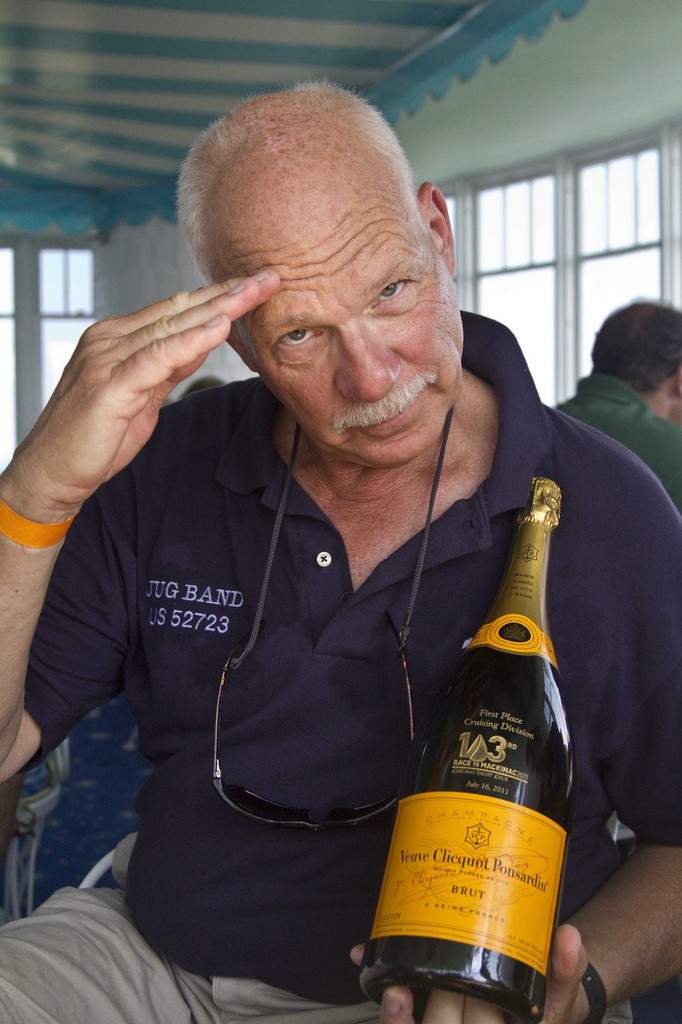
x,y
107,402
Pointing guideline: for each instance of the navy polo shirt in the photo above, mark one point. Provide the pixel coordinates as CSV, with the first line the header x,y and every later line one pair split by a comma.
x,y
160,576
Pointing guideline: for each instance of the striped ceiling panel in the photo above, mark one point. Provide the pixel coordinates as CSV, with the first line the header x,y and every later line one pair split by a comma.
x,y
101,100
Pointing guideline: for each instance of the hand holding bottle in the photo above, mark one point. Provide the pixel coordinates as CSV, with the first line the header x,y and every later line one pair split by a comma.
x,y
470,894
565,1003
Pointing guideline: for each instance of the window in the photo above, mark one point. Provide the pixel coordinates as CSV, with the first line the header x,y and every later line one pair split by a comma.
x,y
515,268
619,240
551,250
66,305
8,437
46,302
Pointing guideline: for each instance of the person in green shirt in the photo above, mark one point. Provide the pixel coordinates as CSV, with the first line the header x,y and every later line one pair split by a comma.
x,y
634,392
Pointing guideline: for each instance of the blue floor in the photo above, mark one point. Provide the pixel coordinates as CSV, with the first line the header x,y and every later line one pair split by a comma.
x,y
96,810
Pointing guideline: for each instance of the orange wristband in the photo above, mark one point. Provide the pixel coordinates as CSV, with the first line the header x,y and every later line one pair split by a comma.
x,y
30,534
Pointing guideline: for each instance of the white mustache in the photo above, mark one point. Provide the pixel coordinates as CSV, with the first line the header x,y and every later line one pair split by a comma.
x,y
370,414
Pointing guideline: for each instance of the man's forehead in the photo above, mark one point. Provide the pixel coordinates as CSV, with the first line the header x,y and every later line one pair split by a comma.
x,y
302,299
295,221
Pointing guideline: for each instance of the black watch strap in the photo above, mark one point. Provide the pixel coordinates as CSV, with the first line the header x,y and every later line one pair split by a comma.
x,y
596,995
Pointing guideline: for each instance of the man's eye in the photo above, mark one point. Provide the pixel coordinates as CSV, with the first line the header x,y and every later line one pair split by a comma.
x,y
297,336
391,290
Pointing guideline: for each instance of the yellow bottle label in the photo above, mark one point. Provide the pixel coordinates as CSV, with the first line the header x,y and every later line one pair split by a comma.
x,y
476,870
516,634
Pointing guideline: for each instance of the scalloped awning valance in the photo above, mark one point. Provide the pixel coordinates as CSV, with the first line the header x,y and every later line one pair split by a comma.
x,y
99,101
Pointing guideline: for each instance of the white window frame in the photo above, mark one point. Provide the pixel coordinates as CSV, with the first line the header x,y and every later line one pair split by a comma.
x,y
565,168
27,318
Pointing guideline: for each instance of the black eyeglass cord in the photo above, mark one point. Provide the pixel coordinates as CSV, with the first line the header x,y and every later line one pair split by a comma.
x,y
404,630
236,661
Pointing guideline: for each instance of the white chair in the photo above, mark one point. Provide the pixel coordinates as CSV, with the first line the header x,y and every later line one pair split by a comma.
x,y
32,813
97,871
116,861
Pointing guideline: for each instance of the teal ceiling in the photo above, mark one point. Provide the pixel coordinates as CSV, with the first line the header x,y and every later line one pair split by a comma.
x,y
99,101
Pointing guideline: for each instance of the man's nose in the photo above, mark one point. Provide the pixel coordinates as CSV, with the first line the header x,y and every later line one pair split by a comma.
x,y
368,367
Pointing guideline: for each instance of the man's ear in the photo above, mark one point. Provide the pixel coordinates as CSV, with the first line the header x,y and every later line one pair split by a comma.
x,y
243,348
434,211
672,391
677,381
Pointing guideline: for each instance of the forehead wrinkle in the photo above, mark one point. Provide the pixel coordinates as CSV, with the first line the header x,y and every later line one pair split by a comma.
x,y
293,249
362,284
366,269
359,258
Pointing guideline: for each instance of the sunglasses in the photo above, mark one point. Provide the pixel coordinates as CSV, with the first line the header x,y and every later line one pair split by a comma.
x,y
269,812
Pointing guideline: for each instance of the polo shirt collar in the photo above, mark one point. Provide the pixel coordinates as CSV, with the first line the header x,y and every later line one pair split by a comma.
x,y
525,437
263,469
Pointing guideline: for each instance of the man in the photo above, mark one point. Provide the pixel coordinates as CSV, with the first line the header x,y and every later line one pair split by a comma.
x,y
634,393
283,519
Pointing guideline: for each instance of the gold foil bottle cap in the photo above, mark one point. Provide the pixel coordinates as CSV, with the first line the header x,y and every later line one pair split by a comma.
x,y
544,504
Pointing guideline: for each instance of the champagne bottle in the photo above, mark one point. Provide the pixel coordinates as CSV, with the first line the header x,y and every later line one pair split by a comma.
x,y
472,884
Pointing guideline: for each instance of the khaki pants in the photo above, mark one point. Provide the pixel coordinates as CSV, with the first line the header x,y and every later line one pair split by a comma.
x,y
80,960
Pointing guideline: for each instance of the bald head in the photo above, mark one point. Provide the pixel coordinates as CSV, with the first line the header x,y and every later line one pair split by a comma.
x,y
260,183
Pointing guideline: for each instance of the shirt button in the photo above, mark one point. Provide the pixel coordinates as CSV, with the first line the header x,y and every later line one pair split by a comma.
x,y
324,559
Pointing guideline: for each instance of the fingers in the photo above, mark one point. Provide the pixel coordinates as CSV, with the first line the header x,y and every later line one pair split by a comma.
x,y
442,1007
569,961
397,1006
446,1008
357,953
183,301
478,1012
174,333
569,958
233,300
452,1008
168,348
